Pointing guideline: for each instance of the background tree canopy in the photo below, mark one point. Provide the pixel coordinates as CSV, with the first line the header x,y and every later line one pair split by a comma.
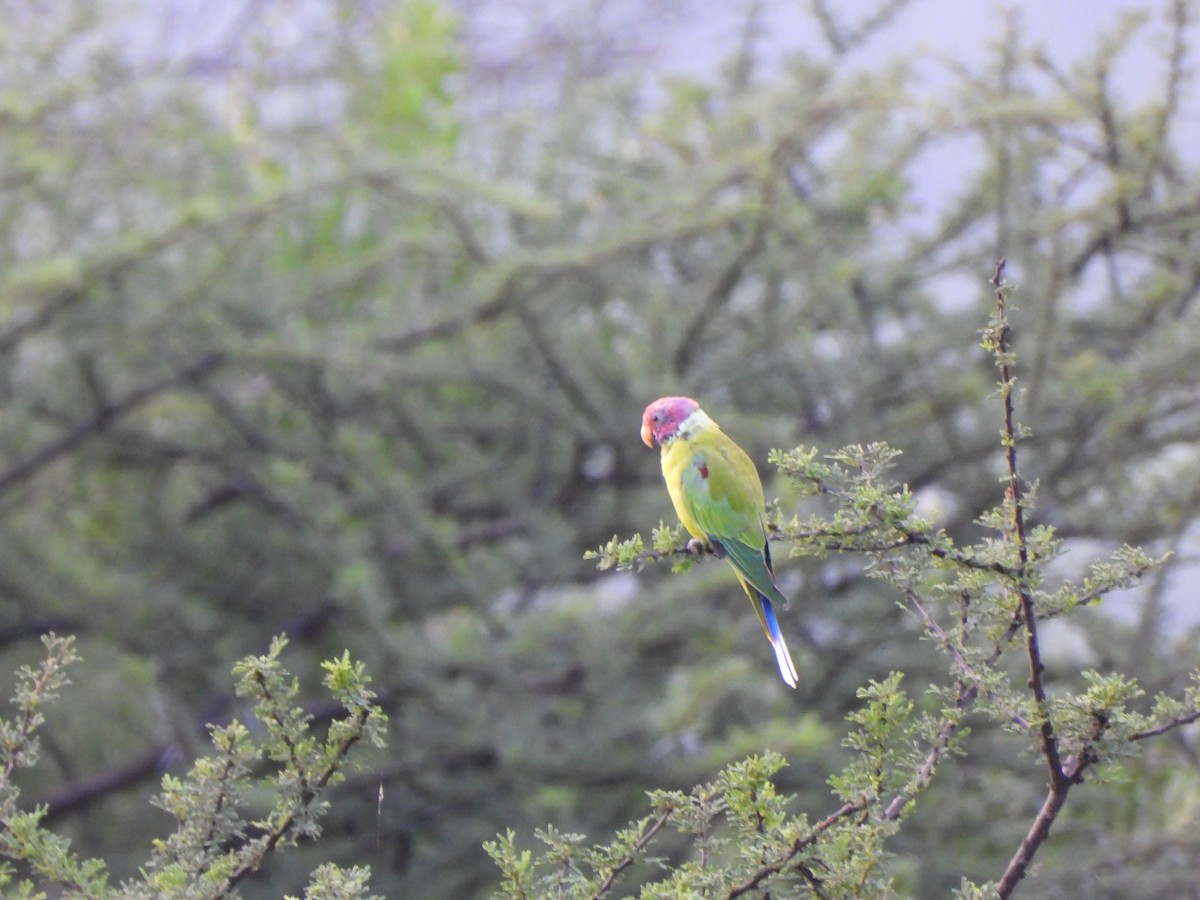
x,y
324,341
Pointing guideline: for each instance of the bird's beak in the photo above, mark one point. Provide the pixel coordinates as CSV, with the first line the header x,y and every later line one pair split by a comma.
x,y
647,436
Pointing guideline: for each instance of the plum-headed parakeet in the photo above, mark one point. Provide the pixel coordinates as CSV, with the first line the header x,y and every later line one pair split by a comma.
x,y
719,498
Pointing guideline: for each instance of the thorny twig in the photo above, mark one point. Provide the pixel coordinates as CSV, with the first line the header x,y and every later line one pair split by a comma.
x,y
1060,778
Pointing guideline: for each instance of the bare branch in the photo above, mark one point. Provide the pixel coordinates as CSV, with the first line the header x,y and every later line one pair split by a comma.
x,y
103,419
1166,727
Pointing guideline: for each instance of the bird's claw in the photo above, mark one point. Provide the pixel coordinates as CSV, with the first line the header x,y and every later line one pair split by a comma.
x,y
696,547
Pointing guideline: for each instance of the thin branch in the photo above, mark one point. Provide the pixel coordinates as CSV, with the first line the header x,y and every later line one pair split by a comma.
x,y
1060,778
1172,90
1110,130
1037,834
1056,796
967,684
796,847
937,750
841,541
81,794
841,39
718,294
632,856
969,677
312,792
1191,717
1015,495
102,419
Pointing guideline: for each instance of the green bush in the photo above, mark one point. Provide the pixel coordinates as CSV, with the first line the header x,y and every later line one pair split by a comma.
x,y
261,789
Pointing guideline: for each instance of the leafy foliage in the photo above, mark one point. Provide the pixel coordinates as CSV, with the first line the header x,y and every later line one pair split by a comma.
x,y
215,844
302,333
979,604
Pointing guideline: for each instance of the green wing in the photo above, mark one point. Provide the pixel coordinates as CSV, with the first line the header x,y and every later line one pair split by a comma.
x,y
721,489
724,496
721,495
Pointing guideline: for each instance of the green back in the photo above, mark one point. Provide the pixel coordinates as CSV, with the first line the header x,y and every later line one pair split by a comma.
x,y
723,494
722,490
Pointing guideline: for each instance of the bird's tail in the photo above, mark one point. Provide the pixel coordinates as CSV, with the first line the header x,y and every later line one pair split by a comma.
x,y
787,668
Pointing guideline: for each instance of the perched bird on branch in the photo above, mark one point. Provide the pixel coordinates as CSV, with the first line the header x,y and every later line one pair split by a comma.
x,y
719,499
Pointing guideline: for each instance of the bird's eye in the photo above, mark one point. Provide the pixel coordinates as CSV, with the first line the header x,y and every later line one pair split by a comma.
x,y
657,417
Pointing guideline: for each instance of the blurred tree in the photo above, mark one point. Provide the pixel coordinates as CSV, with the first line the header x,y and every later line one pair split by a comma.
x,y
315,347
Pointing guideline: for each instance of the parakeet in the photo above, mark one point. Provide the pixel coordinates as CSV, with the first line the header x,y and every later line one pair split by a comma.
x,y
719,498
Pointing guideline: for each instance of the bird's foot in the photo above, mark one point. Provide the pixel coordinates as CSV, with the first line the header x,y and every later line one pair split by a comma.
x,y
699,548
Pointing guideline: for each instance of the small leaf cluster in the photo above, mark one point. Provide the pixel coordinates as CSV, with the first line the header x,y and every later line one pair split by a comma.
x,y
630,554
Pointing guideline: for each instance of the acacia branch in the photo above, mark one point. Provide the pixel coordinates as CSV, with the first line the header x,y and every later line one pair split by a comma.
x,y
967,685
1060,780
969,679
843,540
1166,727
1172,91
312,791
937,750
631,857
806,840
1056,797
1014,493
1037,834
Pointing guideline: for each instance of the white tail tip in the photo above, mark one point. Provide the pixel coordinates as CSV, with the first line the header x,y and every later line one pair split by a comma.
x,y
787,668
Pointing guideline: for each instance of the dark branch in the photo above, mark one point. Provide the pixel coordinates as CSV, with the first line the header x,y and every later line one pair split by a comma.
x,y
631,857
102,420
1060,780
796,847
1166,727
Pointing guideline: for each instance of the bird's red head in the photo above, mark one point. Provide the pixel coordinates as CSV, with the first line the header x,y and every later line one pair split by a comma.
x,y
664,416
